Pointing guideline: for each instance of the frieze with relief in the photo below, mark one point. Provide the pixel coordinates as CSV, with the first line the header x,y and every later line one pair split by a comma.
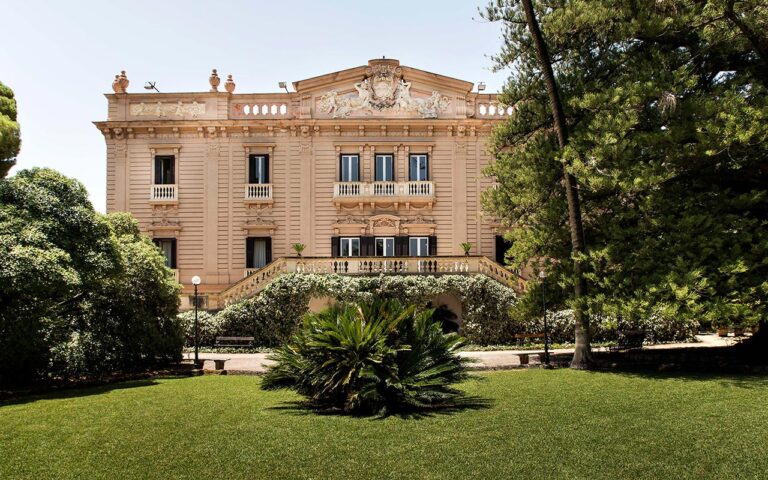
x,y
160,109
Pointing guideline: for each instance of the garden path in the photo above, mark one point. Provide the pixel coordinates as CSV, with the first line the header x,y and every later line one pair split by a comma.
x,y
255,363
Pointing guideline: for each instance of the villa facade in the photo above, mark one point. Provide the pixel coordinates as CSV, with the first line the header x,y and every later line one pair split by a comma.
x,y
374,169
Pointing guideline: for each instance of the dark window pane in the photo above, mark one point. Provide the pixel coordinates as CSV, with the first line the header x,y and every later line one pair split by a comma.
x,y
164,171
168,248
258,169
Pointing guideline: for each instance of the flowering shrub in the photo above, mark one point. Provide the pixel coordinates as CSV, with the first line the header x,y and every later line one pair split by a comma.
x,y
209,327
561,325
273,316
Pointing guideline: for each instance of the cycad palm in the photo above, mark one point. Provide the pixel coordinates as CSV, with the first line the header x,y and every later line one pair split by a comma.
x,y
370,357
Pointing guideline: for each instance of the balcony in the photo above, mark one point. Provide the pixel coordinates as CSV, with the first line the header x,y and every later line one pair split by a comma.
x,y
163,194
258,193
383,194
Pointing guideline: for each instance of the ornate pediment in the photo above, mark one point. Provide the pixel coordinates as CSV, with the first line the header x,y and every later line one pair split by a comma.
x,y
382,97
419,225
384,225
350,225
257,225
384,89
164,226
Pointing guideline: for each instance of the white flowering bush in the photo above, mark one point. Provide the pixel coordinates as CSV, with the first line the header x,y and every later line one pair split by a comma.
x,y
561,326
208,326
273,315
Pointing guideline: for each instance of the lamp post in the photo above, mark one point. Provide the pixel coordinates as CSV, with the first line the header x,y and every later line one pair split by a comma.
x,y
543,277
196,282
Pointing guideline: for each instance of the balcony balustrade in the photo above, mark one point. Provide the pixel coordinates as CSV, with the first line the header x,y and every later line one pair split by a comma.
x,y
255,279
163,193
373,193
258,193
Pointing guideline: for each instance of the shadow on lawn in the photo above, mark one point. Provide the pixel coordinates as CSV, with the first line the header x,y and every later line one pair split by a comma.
x,y
463,404
74,392
750,381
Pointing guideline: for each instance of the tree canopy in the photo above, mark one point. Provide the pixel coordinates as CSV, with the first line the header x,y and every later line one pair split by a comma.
x,y
80,292
10,136
667,111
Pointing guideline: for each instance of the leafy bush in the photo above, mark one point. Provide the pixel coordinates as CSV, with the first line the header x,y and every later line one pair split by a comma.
x,y
80,293
275,314
370,357
561,325
209,327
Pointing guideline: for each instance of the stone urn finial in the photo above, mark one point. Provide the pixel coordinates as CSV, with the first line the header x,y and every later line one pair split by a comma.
x,y
116,85
229,86
123,82
214,80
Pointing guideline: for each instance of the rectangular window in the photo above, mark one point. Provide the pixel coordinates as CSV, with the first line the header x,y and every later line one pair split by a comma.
x,y
350,168
350,246
258,169
168,247
164,170
385,246
258,252
385,168
418,168
418,246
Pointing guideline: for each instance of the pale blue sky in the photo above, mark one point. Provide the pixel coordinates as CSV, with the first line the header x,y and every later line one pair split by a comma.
x,y
59,57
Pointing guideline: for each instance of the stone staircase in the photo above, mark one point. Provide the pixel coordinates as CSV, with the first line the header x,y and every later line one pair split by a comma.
x,y
257,279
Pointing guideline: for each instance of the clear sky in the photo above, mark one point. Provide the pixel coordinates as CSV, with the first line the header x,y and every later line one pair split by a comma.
x,y
59,57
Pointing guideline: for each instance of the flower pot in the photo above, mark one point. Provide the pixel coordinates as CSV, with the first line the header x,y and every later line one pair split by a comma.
x,y
722,332
738,331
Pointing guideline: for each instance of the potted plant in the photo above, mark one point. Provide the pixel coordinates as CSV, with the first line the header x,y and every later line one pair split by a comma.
x,y
298,248
738,329
722,325
466,246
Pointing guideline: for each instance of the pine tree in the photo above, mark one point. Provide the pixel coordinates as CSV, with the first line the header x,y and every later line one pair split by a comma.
x,y
666,108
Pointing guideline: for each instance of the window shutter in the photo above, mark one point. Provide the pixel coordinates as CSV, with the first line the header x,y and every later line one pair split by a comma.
x,y
249,252
251,168
367,246
432,245
401,246
172,170
173,253
158,169
335,250
266,168
269,250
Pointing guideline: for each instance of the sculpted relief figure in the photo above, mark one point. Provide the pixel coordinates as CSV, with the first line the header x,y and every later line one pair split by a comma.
x,y
382,92
363,99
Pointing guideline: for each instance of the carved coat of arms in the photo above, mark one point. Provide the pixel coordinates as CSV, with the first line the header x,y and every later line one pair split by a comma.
x,y
382,82
383,88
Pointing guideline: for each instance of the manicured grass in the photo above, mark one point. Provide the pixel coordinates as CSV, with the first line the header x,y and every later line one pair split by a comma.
x,y
541,424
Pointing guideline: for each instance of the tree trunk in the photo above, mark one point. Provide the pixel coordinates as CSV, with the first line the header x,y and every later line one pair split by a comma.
x,y
582,356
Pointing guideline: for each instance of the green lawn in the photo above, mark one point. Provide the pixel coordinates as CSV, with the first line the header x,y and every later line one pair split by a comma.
x,y
541,424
